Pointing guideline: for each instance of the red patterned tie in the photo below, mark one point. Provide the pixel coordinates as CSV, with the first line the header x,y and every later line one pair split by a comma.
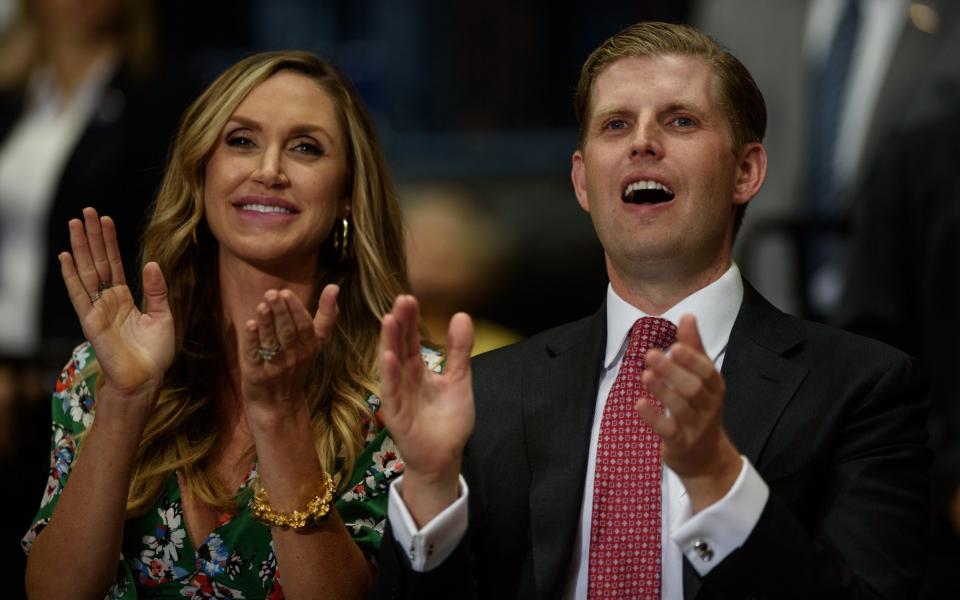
x,y
625,530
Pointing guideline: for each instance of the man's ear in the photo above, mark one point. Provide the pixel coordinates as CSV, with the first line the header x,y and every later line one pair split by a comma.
x,y
751,172
578,175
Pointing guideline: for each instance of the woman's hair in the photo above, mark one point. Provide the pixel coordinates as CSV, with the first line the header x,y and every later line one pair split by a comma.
x,y
182,431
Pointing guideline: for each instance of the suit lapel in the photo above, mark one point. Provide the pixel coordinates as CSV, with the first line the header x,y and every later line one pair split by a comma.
x,y
559,398
760,380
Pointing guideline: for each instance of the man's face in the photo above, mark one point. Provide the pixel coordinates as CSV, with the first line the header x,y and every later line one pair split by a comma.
x,y
658,173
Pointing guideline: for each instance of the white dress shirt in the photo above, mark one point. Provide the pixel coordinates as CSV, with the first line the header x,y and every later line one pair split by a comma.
x,y
705,538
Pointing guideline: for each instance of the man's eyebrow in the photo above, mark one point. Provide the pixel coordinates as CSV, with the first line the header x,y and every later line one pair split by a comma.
x,y
609,111
676,106
685,106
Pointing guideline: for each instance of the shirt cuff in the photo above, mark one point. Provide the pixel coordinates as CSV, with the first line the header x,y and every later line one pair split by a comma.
x,y
429,546
709,536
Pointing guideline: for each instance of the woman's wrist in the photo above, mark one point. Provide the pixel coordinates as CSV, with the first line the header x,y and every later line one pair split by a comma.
x,y
126,404
277,417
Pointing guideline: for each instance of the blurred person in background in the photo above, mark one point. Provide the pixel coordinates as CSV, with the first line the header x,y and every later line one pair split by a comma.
x,y
86,117
840,76
903,287
454,254
86,114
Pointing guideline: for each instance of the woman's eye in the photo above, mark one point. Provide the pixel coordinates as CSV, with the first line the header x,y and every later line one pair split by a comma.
x,y
239,141
308,148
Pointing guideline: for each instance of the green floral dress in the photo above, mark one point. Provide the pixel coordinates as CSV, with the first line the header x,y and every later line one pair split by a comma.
x,y
237,560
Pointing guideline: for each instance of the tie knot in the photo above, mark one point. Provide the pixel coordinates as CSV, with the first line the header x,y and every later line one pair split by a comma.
x,y
651,332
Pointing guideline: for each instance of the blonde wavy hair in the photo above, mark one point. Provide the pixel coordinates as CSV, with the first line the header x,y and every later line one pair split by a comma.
x,y
181,434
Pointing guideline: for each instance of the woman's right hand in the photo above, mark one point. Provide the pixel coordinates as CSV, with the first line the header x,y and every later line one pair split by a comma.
x,y
133,348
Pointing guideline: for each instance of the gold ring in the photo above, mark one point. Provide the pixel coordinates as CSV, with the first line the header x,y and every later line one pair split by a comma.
x,y
94,297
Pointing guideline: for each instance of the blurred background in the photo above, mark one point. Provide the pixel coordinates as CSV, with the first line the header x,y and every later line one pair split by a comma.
x,y
473,102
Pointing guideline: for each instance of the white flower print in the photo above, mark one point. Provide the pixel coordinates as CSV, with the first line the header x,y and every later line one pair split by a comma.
x,y
367,523
434,359
61,461
169,535
387,460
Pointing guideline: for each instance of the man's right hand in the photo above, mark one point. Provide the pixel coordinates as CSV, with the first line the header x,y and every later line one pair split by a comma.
x,y
429,415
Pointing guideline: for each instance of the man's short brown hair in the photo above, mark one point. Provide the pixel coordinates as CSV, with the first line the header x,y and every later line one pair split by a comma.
x,y
740,97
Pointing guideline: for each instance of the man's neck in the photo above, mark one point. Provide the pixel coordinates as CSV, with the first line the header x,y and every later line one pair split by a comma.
x,y
657,292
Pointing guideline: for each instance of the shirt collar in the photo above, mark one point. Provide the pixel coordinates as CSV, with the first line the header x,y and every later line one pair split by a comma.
x,y
715,308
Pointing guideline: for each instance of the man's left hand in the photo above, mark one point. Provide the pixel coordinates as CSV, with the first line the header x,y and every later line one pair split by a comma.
x,y
695,445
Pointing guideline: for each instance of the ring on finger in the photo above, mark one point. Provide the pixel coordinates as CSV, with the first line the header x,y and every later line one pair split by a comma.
x,y
268,354
105,285
94,297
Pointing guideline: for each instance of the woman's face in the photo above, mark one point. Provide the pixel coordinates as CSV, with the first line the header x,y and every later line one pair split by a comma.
x,y
276,180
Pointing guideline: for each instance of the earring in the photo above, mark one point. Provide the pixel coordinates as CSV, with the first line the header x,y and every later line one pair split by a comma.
x,y
341,239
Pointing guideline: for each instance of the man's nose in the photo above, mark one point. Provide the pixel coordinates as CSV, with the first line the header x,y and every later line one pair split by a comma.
x,y
647,140
269,171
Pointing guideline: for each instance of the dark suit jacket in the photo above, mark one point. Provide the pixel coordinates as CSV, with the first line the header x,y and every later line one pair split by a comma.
x,y
833,423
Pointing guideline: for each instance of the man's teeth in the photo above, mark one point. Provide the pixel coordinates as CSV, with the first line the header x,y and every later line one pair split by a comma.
x,y
646,185
263,208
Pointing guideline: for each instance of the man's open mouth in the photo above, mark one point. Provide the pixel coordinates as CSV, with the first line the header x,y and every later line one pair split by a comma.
x,y
647,192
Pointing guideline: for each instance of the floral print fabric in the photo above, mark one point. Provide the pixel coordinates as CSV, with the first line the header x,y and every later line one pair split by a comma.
x,y
237,560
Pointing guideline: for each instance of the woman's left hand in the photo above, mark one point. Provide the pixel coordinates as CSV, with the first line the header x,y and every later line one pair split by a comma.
x,y
280,346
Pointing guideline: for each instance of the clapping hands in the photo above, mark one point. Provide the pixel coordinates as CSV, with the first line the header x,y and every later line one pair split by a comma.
x,y
430,416
134,348
281,344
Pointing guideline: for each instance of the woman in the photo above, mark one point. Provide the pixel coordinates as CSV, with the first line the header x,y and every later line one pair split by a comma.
x,y
226,393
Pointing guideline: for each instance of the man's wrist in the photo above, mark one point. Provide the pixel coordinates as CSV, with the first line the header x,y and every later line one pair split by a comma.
x,y
714,483
427,495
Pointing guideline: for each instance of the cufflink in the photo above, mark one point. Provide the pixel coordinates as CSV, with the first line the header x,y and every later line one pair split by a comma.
x,y
703,550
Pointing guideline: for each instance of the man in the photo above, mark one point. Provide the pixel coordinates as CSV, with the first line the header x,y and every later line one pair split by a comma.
x,y
793,462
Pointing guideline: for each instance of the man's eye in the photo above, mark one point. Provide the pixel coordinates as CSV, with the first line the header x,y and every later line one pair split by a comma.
x,y
683,122
616,124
